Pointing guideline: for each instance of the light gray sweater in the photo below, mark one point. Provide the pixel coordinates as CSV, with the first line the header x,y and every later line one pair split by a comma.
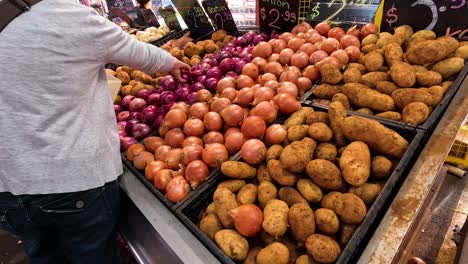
x,y
57,123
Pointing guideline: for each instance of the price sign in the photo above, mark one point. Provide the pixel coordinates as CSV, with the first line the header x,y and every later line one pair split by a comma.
x,y
220,14
149,17
169,15
444,17
344,13
194,17
278,15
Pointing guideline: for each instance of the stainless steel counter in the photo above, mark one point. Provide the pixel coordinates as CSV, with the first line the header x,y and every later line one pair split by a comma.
x,y
166,239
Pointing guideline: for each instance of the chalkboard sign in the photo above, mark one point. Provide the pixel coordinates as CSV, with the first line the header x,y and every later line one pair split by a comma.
x,y
449,17
149,19
124,5
194,17
169,16
278,15
343,13
220,14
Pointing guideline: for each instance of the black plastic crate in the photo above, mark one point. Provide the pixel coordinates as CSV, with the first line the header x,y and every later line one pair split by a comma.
x,y
433,118
190,212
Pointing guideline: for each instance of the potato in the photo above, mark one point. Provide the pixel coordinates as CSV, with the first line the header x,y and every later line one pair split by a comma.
x,y
350,208
352,75
320,132
326,151
177,53
298,118
301,221
274,152
137,87
252,256
318,117
326,91
275,218
329,200
232,244
194,60
225,201
381,167
375,135
366,49
446,85
355,163
266,192
403,33
368,192
437,93
386,87
355,65
126,90
309,190
322,248
325,174
276,253
340,97
449,67
402,74
123,77
373,61
365,111
330,74
428,78
211,48
390,115
431,51
370,79
296,133
296,155
262,174
290,196
393,54
415,113
425,34
211,209
305,259
210,225
337,113
461,52
362,96
405,96
238,170
347,231
384,39
232,185
370,39
125,69
247,194
327,221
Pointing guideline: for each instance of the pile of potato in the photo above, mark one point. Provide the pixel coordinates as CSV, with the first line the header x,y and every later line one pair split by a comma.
x,y
313,190
402,77
192,53
133,81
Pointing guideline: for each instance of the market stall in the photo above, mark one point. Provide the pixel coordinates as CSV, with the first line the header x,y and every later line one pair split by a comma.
x,y
320,143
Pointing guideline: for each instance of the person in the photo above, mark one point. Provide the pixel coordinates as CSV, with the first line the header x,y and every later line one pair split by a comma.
x,y
60,153
145,16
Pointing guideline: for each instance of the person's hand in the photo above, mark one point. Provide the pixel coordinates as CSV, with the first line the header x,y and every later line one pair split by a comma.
x,y
178,67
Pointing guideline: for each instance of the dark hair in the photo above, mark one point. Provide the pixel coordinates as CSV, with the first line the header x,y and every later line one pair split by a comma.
x,y
142,3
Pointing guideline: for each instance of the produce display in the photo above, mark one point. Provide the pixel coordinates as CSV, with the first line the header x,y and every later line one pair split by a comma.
x,y
400,76
152,34
301,197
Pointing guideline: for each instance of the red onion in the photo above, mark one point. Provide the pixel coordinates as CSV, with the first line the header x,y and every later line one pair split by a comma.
x,y
137,105
123,116
135,116
126,101
168,83
197,87
141,130
239,66
226,65
158,121
144,93
117,109
211,84
126,142
122,134
121,125
154,99
191,98
214,72
168,97
182,93
202,79
232,74
149,114
197,73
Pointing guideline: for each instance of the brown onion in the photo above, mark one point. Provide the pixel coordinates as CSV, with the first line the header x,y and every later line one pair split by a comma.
x,y
278,45
245,97
175,137
302,27
161,152
263,94
260,63
302,35
329,45
274,57
354,31
287,103
274,68
329,60
174,158
153,143
194,127
176,189
262,79
248,219
253,127
308,48
296,43
286,36
336,32
311,72
304,84
285,56
163,129
275,134
300,59
203,95
250,70
291,74
253,151
288,87
354,53
272,84
349,40
267,110
368,29
142,159
198,110
213,137
190,141
191,153
317,56
262,49
323,28
229,93
161,178
314,38
233,115
244,81
231,130
342,56
134,150
218,104
182,106
153,167
213,121
196,173
234,141
214,154
226,82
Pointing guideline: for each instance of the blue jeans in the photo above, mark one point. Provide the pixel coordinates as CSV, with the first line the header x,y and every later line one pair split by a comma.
x,y
73,227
